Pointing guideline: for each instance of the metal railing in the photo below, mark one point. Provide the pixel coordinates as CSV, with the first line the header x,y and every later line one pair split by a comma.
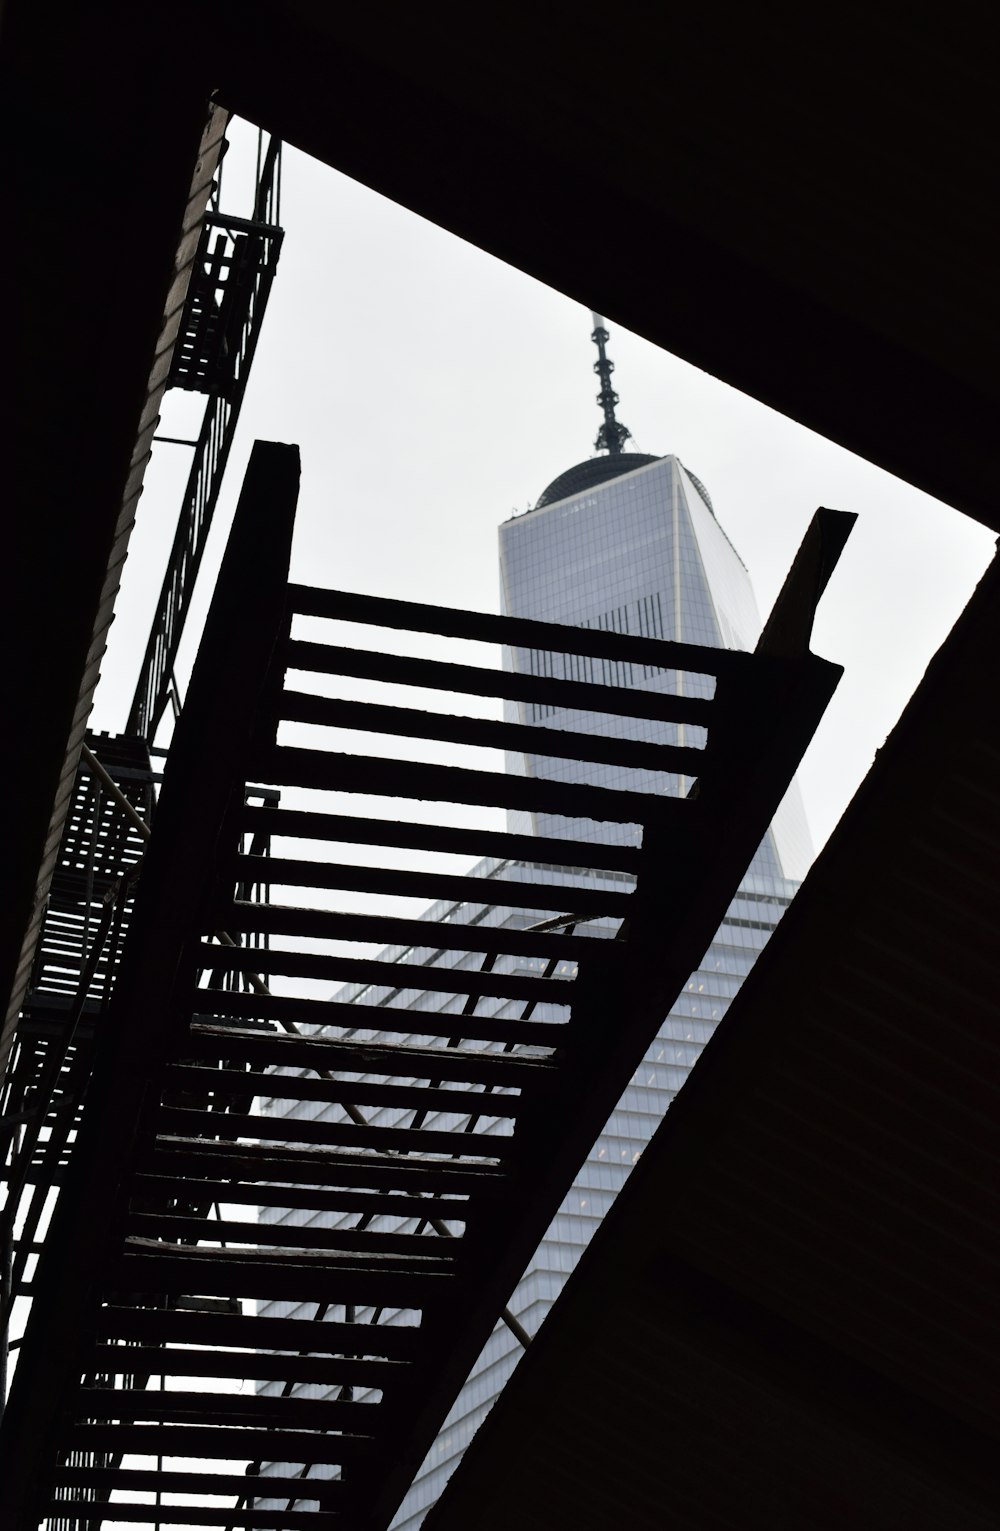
x,y
234,271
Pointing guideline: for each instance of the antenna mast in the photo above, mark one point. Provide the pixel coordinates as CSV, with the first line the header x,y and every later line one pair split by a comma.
x,y
612,435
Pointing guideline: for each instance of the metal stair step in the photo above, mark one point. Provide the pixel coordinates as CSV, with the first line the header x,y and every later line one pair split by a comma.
x,y
257,1410
103,1480
319,1337
324,1371
226,1443
359,1241
381,1058
292,1275
82,1511
191,1157
200,1080
158,1192
213,1006
292,1129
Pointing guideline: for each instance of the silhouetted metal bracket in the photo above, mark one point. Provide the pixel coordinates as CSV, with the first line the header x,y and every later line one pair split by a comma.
x,y
788,629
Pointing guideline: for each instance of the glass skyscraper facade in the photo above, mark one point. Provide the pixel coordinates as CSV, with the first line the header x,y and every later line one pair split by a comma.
x,y
639,551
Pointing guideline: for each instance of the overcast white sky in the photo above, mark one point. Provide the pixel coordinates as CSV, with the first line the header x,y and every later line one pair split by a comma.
x,y
433,389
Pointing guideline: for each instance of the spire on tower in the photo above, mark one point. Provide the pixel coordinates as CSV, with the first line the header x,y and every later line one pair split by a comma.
x,y
612,435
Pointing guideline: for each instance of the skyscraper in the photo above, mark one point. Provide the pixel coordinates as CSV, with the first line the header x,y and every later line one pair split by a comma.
x,y
627,542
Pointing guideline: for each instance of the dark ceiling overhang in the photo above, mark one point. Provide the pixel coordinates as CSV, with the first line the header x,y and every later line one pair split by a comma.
x,y
800,209
110,153
793,203
796,207
789,1316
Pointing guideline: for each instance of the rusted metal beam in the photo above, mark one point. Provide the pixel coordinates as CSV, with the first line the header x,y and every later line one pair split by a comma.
x,y
469,680
487,733
361,830
519,632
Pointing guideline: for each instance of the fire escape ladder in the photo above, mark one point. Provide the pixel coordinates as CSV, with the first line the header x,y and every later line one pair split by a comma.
x,y
402,1185
227,298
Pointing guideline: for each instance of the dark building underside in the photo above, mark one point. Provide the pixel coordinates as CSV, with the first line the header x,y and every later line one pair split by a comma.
x,y
800,210
789,1316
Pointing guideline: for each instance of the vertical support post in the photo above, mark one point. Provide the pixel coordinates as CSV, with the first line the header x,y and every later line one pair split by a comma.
x,y
6,1270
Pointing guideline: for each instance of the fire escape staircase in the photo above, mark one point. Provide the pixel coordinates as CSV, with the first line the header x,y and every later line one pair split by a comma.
x,y
231,282
82,936
397,1212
